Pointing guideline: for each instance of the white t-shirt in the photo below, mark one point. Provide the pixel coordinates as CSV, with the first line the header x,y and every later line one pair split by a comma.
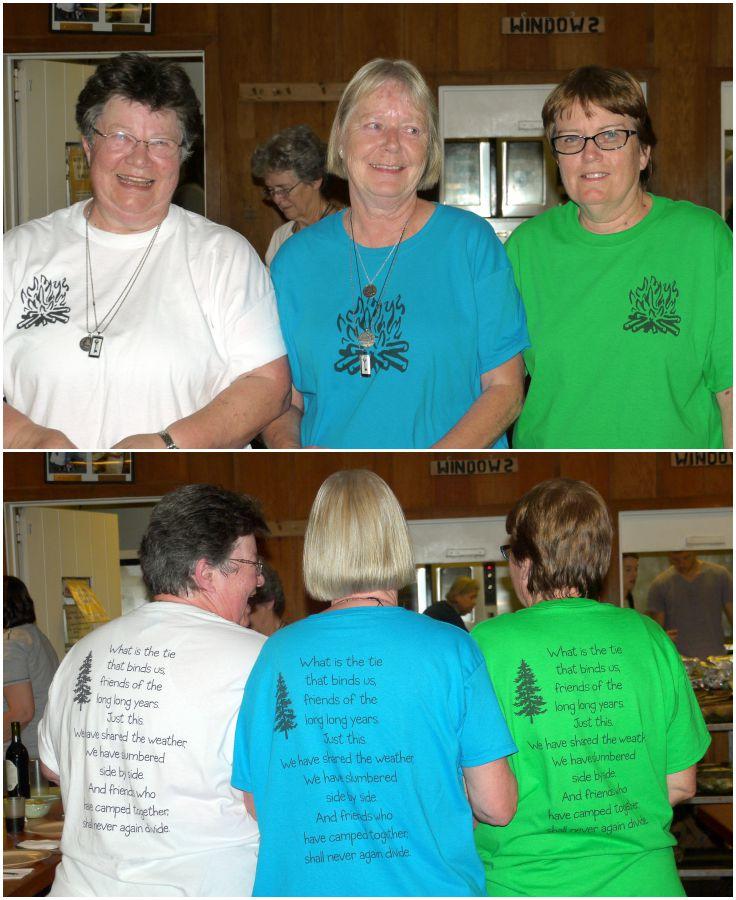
x,y
279,237
140,727
201,313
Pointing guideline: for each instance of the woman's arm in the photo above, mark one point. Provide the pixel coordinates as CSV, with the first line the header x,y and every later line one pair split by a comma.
x,y
681,785
491,414
725,404
21,706
20,433
233,417
492,792
285,433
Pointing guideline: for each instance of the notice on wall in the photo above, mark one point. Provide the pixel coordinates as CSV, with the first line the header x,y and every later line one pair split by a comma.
x,y
700,460
597,739
131,740
553,25
351,791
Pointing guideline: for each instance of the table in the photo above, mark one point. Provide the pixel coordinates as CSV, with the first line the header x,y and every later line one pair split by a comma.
x,y
42,875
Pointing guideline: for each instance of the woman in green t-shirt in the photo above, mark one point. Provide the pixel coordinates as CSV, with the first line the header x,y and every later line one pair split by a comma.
x,y
600,707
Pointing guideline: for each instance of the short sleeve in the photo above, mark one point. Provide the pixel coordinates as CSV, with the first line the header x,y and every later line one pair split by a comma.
x,y
687,734
502,331
484,736
718,369
15,662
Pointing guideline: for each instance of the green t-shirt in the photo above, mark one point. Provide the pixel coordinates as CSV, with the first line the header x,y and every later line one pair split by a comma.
x,y
601,709
631,333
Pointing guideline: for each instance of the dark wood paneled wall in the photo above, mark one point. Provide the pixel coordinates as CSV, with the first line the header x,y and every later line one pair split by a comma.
x,y
286,484
683,50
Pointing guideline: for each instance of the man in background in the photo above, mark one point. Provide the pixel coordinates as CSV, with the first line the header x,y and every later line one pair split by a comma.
x,y
140,722
689,600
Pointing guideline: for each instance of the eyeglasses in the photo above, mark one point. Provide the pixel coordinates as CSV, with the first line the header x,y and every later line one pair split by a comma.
x,y
270,193
123,143
610,139
249,562
505,551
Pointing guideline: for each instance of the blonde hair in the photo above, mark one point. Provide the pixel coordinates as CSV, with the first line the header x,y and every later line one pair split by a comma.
x,y
356,538
462,585
369,78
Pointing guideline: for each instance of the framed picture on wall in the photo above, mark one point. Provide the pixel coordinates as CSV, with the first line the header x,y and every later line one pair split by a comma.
x,y
75,467
110,18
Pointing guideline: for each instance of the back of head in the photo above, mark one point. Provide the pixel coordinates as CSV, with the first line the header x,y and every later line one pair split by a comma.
x,y
612,89
156,83
17,603
197,521
297,149
271,589
356,538
564,528
370,77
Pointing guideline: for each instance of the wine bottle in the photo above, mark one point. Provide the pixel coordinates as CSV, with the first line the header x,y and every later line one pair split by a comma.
x,y
16,765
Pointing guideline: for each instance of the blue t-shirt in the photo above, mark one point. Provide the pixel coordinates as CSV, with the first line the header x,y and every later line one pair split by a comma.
x,y
352,736
449,312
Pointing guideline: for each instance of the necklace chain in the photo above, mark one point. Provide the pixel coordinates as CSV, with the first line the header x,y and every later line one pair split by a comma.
x,y
370,289
103,324
348,599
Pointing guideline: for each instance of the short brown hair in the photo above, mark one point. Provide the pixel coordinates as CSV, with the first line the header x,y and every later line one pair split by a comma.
x,y
369,78
563,528
356,538
614,90
462,585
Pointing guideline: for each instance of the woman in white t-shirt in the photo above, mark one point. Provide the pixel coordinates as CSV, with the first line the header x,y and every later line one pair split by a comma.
x,y
291,166
129,322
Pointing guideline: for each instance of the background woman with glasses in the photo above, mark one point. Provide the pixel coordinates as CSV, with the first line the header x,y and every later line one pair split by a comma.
x,y
292,167
628,295
130,322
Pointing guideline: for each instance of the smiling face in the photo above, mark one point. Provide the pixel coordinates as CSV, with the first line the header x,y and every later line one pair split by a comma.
x,y
132,190
232,588
384,145
603,183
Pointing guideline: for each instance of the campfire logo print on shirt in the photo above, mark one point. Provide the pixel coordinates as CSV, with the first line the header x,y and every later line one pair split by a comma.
x,y
44,303
529,701
654,308
82,692
374,328
285,715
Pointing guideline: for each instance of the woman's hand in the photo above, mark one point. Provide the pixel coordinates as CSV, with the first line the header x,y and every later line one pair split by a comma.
x,y
140,442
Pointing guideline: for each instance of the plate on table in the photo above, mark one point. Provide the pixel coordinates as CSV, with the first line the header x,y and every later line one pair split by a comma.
x,y
51,829
23,857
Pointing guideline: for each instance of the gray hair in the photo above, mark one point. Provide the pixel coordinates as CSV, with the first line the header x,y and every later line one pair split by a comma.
x,y
369,78
297,148
156,83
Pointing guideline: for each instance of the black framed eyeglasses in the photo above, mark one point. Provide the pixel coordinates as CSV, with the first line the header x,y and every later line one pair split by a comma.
x,y
505,551
258,563
610,139
123,142
270,193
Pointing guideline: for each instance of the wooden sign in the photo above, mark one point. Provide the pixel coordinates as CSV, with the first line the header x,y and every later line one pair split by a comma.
x,y
697,460
486,465
553,25
296,92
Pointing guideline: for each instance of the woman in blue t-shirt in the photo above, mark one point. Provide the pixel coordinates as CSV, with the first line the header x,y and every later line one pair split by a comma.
x,y
360,724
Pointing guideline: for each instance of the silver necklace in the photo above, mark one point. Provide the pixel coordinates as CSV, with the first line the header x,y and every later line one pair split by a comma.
x,y
370,289
366,338
348,599
91,344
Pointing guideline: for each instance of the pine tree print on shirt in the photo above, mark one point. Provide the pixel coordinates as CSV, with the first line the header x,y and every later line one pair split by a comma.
x,y
285,715
82,692
529,701
654,308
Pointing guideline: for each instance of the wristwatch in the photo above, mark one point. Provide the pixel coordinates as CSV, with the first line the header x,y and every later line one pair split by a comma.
x,y
168,440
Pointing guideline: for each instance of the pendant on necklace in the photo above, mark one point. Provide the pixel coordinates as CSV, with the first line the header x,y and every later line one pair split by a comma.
x,y
366,338
92,346
86,343
369,291
365,364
